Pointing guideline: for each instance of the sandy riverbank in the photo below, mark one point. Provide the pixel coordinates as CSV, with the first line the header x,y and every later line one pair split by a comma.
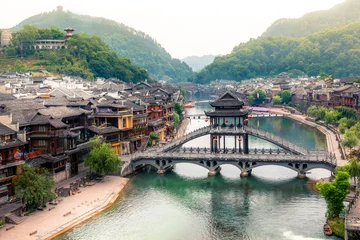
x,y
49,224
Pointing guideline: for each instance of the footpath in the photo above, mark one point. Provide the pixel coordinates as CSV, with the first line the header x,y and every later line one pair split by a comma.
x,y
70,212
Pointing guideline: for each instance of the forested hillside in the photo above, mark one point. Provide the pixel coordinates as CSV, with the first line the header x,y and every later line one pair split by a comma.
x,y
197,63
84,55
335,51
139,47
338,16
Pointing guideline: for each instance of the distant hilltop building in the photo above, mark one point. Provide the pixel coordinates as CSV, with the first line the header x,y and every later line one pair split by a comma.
x,y
69,32
60,8
5,37
53,44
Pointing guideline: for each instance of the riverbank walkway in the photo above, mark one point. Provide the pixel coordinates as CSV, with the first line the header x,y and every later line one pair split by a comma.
x,y
69,212
332,143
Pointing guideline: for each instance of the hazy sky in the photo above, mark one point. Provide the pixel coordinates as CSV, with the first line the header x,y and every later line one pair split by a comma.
x,y
183,28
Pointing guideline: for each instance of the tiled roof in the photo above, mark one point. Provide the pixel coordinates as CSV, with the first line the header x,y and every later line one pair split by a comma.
x,y
62,112
5,130
228,99
104,130
14,143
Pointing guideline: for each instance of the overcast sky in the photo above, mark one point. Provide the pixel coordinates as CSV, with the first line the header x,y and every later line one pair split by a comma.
x,y
183,28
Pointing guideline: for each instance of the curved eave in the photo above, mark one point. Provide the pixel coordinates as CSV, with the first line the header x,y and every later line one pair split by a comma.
x,y
241,113
221,104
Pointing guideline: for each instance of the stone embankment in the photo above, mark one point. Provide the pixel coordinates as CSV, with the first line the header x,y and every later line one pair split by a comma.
x,y
331,140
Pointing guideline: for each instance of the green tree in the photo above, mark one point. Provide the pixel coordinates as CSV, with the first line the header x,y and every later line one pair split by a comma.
x,y
257,97
285,96
350,139
346,123
178,110
354,169
102,159
312,111
335,193
34,186
277,100
153,136
183,92
331,116
19,66
176,119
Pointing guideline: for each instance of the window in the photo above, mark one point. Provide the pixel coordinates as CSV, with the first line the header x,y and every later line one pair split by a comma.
x,y
41,143
42,129
124,123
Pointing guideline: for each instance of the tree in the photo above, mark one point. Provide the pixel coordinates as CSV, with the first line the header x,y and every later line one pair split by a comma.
x,y
183,92
354,169
321,113
178,109
153,136
286,96
350,139
19,66
335,193
102,159
331,116
257,97
312,111
176,119
346,123
34,186
277,100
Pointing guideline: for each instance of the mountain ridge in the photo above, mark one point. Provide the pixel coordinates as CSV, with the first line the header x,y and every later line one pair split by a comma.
x,y
198,62
337,16
138,46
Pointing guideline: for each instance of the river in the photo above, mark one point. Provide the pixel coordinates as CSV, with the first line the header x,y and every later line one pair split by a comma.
x,y
186,204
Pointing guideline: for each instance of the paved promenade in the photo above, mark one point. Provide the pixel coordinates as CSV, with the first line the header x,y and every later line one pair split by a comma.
x,y
332,143
83,206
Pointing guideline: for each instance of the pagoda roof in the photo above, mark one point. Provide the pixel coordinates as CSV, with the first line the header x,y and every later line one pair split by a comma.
x,y
228,99
231,113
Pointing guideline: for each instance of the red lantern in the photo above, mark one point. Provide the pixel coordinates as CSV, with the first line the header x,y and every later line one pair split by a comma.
x,y
206,120
239,139
211,120
251,116
215,140
226,121
220,137
245,120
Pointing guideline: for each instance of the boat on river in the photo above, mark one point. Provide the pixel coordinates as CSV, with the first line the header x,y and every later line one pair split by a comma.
x,y
189,105
327,230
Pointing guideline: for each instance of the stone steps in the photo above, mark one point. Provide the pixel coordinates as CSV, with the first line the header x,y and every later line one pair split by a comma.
x,y
12,218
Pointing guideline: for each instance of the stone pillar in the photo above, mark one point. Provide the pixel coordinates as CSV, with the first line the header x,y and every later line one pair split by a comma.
x,y
346,235
245,173
224,144
213,171
211,143
246,143
301,174
235,144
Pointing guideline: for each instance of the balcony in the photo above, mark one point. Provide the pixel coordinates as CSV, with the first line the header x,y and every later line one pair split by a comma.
x,y
10,162
57,151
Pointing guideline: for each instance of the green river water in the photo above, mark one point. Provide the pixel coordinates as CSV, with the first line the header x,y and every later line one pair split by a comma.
x,y
186,204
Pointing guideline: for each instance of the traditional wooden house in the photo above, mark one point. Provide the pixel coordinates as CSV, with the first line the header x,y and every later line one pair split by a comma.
x,y
11,151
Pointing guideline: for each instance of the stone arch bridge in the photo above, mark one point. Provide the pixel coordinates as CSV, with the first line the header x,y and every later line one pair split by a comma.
x,y
292,156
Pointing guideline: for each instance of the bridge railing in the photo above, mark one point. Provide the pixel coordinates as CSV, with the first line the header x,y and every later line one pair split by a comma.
x,y
190,136
275,139
327,158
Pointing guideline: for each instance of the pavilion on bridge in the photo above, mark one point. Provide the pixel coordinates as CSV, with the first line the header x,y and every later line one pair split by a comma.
x,y
228,119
